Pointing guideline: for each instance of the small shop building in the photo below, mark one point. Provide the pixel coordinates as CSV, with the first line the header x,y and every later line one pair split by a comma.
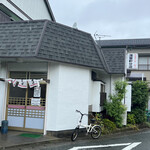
x,y
47,71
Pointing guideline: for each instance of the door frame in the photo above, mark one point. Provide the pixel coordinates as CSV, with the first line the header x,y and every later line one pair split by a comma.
x,y
26,98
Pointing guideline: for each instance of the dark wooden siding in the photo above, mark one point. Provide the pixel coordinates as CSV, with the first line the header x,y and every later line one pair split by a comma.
x,y
4,17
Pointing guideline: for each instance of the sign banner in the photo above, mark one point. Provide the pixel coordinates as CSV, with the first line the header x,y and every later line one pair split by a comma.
x,y
35,101
23,83
132,61
37,91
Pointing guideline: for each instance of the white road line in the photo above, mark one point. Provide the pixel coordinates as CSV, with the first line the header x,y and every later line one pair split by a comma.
x,y
129,147
98,146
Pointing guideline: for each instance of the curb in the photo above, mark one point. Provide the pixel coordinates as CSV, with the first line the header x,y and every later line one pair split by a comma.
x,y
30,144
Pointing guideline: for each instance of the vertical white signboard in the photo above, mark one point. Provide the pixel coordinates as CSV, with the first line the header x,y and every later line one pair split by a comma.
x,y
128,96
132,61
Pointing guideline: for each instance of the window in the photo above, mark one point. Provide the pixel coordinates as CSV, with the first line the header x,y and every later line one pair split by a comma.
x,y
102,95
144,63
102,88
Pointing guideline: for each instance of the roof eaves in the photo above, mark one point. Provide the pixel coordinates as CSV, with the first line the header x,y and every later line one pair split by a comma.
x,y
65,62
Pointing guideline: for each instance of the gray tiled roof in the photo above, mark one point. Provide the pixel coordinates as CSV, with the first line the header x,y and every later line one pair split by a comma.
x,y
48,40
20,39
115,59
124,42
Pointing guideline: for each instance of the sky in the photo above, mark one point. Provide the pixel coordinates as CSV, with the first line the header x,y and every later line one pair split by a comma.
x,y
109,19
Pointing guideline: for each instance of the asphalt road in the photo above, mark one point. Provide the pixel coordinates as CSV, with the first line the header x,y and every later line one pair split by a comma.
x,y
139,140
125,141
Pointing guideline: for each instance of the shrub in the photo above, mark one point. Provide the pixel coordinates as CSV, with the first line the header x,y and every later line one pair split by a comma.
x,y
115,109
140,115
109,126
131,119
98,118
132,126
139,100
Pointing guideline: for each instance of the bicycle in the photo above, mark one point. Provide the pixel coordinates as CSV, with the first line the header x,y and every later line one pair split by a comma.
x,y
94,130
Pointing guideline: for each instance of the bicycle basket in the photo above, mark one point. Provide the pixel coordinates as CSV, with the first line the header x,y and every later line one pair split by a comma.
x,y
93,120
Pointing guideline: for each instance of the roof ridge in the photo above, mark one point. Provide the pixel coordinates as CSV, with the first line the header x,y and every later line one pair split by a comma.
x,y
41,38
43,20
106,66
125,39
101,57
69,27
26,21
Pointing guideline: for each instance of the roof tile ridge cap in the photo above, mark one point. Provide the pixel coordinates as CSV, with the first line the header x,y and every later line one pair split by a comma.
x,y
102,59
60,24
101,55
41,37
24,21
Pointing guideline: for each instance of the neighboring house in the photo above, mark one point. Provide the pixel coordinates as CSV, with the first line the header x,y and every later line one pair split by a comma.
x,y
17,10
137,57
115,61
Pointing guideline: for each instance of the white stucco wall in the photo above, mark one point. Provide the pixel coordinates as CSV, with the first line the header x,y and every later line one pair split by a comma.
x,y
3,91
115,78
128,96
109,82
95,96
95,89
68,91
36,9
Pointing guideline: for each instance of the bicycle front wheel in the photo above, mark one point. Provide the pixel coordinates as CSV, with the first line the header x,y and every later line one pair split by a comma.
x,y
96,132
75,134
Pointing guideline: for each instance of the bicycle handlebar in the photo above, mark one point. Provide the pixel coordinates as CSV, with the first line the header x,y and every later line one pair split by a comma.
x,y
81,113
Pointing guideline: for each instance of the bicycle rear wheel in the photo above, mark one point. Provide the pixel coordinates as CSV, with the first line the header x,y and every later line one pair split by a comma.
x,y
75,134
96,132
